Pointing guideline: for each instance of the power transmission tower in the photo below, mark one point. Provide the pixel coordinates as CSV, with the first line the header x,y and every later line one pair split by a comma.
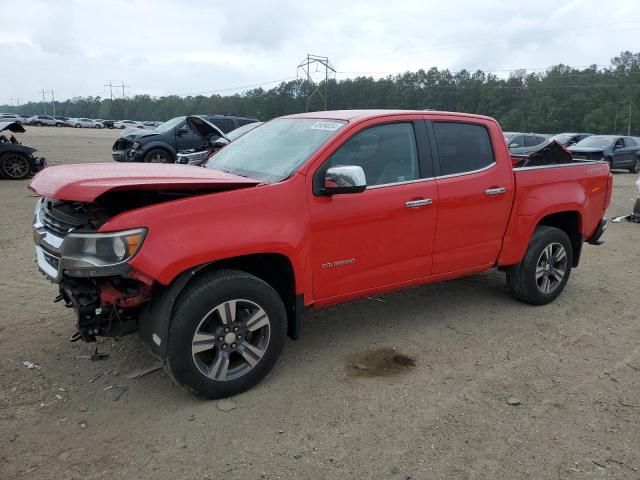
x,y
44,101
110,89
321,63
53,103
17,100
123,86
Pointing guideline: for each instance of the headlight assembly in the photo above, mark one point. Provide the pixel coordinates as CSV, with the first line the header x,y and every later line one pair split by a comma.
x,y
135,146
100,250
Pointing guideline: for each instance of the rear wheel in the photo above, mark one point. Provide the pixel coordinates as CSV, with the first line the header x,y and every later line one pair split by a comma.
x,y
636,166
15,166
226,333
544,271
157,155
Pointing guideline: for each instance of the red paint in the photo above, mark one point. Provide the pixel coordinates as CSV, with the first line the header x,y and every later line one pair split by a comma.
x,y
463,231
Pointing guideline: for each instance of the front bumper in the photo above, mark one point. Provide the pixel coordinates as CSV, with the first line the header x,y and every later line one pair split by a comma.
x,y
193,158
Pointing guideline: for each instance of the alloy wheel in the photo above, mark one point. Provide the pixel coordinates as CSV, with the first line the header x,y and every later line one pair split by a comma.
x,y
159,158
15,166
230,340
551,267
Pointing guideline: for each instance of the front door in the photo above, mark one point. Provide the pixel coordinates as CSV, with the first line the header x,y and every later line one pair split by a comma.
x,y
384,235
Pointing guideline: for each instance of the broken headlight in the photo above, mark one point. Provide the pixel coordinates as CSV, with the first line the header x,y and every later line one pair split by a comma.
x,y
98,250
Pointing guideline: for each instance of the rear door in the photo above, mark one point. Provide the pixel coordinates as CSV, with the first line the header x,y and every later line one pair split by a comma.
x,y
475,194
384,235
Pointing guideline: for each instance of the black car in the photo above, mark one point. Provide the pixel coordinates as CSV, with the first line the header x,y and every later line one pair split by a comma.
x,y
16,160
162,144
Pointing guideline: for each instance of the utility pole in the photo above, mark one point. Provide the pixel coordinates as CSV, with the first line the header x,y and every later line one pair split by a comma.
x,y
320,63
44,101
123,87
110,89
53,103
629,127
17,100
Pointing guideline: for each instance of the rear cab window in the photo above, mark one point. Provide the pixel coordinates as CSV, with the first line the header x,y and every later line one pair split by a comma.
x,y
462,147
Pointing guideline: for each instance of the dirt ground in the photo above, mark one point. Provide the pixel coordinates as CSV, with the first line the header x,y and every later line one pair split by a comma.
x,y
458,353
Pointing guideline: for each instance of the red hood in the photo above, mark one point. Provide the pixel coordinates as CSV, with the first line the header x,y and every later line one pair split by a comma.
x,y
86,182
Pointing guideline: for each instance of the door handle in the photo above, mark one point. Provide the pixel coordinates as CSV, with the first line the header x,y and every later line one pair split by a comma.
x,y
418,203
495,191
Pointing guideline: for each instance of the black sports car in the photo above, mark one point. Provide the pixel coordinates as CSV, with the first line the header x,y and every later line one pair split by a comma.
x,y
16,160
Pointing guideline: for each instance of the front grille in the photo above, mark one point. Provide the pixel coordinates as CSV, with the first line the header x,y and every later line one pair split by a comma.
x,y
121,144
57,222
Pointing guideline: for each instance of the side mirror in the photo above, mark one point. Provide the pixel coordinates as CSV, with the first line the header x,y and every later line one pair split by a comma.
x,y
182,131
344,179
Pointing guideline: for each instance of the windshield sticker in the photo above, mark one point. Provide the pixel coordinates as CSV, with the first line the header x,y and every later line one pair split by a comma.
x,y
329,126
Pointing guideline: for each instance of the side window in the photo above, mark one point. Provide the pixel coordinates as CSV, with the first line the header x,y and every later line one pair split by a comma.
x,y
463,147
532,141
619,144
629,142
224,124
516,142
386,153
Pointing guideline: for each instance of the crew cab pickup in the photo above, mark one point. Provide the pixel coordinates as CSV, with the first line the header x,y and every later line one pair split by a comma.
x,y
214,266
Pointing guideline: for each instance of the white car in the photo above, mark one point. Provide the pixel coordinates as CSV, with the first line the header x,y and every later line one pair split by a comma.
x,y
122,124
81,123
41,120
10,117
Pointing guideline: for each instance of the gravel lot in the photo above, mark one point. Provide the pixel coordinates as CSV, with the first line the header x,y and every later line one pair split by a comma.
x,y
332,407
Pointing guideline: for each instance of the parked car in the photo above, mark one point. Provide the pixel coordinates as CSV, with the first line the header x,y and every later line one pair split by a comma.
x,y
215,266
10,117
97,123
162,144
81,123
43,120
122,124
63,121
569,139
213,140
524,143
618,151
17,161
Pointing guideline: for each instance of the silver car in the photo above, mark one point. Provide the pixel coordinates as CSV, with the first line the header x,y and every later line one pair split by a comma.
x,y
42,120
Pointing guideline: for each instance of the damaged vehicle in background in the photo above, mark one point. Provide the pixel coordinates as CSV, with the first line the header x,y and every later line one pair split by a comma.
x,y
617,150
212,141
162,144
17,161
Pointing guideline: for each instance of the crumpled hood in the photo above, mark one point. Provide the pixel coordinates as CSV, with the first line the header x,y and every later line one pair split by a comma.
x,y
133,134
86,182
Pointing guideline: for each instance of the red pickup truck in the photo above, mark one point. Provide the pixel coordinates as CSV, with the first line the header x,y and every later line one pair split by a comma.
x,y
214,266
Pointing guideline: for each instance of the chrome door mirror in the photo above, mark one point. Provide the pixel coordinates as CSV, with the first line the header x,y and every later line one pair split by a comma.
x,y
344,179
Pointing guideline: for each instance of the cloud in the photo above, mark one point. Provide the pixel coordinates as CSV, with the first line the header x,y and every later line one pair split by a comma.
x,y
171,47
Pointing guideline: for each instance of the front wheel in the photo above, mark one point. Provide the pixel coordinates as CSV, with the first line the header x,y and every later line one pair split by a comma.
x,y
544,271
157,155
636,166
15,166
226,333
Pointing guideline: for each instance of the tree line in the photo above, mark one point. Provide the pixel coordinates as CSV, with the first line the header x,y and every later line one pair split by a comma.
x,y
562,98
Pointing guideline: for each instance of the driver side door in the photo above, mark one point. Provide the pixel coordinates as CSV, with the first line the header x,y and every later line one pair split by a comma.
x,y
186,138
382,237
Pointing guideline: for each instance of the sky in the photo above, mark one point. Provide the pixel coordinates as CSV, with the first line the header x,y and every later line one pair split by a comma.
x,y
166,47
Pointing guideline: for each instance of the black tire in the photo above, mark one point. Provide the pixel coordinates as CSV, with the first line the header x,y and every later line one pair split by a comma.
x,y
199,304
15,166
636,167
77,125
38,124
158,155
523,279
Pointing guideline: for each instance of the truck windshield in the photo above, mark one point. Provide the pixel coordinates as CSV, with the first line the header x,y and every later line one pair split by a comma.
x,y
272,152
596,141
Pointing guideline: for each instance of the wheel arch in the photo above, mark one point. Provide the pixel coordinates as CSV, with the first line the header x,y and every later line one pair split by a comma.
x,y
569,222
160,146
274,268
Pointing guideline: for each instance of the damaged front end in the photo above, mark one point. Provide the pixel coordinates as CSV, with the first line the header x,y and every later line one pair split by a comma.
x,y
91,268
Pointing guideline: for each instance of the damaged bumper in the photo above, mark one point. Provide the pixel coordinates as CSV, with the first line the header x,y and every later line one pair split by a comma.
x,y
596,237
